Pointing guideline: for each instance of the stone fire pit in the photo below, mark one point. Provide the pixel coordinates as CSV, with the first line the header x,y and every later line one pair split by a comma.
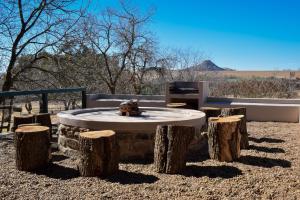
x,y
135,133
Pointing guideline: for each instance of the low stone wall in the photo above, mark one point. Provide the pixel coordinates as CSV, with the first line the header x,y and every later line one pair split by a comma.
x,y
68,139
133,146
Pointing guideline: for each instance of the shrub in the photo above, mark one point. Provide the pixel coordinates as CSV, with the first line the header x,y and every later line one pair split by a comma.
x,y
255,88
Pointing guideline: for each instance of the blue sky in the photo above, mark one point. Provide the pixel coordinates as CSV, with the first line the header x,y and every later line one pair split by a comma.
x,y
240,34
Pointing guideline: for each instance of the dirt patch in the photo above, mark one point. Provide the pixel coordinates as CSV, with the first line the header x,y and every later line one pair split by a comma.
x,y
270,169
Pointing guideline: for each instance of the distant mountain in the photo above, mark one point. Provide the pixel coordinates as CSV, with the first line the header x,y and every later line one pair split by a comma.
x,y
228,69
207,65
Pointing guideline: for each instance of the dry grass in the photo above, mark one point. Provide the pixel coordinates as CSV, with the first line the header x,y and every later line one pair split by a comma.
x,y
270,169
250,74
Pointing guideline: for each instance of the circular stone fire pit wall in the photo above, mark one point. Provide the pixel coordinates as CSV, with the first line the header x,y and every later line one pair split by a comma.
x,y
134,145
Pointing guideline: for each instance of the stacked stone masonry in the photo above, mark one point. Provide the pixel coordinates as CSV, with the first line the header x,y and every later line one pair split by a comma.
x,y
133,146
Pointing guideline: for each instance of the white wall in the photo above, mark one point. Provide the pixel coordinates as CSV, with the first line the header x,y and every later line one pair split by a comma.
x,y
258,109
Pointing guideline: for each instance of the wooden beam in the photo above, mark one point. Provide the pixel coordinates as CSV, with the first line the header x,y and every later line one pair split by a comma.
x,y
32,92
83,99
44,108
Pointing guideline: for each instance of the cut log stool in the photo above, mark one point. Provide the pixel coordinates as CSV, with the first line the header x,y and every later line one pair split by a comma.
x,y
45,120
176,105
22,119
99,153
171,146
224,138
243,127
210,112
32,145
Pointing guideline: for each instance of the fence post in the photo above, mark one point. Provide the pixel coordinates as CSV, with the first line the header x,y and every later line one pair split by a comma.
x,y
83,98
45,103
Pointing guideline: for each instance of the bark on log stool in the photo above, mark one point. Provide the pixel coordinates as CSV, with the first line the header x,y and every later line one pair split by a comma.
x,y
210,112
171,146
243,131
224,138
22,119
243,127
99,153
32,145
176,105
45,120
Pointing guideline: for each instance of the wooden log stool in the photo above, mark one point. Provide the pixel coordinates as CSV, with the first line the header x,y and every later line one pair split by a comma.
x,y
22,119
224,138
176,105
210,112
45,120
99,153
171,146
243,127
32,145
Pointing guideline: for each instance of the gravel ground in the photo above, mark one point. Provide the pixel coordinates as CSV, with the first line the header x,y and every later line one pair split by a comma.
x,y
270,169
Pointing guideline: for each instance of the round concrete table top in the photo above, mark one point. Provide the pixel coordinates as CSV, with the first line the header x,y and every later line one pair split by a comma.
x,y
109,118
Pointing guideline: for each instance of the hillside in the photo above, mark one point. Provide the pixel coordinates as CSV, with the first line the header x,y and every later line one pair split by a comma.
x,y
207,65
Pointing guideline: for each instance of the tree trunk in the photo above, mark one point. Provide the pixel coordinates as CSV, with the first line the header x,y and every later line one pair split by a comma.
x,y
224,138
32,145
112,89
171,146
7,84
8,79
99,153
137,88
243,127
210,112
22,119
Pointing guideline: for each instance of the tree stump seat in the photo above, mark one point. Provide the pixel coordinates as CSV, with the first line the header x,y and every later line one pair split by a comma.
x,y
22,119
171,146
176,105
241,112
224,138
44,119
210,112
99,153
32,144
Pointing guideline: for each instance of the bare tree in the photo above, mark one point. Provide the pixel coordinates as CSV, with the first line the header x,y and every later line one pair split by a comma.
x,y
30,28
180,63
142,63
66,66
115,36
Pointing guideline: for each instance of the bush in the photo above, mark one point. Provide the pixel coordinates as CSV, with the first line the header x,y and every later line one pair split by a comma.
x,y
255,88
